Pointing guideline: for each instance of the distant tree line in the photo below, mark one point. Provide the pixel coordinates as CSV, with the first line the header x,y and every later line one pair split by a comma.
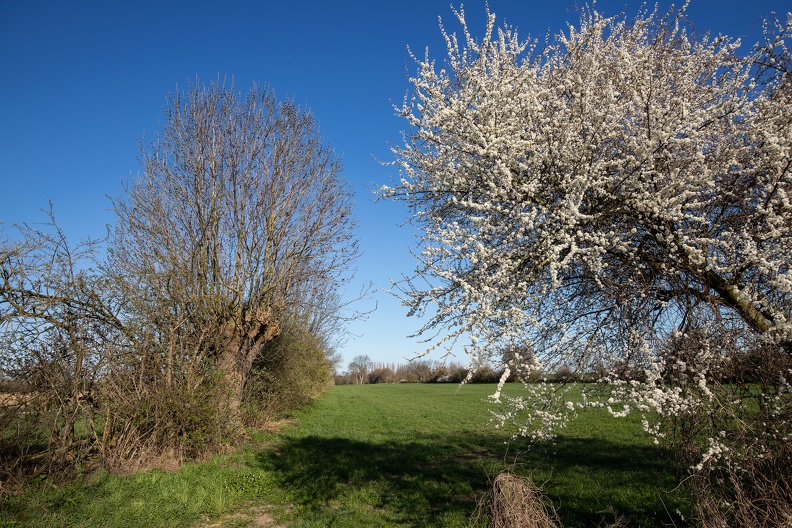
x,y
363,370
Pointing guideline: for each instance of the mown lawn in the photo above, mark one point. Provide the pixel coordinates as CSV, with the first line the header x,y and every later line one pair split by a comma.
x,y
384,455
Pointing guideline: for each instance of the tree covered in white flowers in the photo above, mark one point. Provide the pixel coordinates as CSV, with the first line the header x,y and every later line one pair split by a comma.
x,y
616,200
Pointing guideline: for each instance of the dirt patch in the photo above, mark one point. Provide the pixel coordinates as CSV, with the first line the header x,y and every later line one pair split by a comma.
x,y
255,517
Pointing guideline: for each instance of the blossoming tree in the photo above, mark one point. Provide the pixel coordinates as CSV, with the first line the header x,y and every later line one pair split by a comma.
x,y
615,200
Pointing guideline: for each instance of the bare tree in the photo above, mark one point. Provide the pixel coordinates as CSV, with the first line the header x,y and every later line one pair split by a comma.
x,y
240,215
239,226
59,327
359,368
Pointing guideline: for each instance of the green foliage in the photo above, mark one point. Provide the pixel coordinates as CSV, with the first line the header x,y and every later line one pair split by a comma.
x,y
187,418
292,371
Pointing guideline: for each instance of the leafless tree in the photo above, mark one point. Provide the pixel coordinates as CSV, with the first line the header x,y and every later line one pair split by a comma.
x,y
359,368
239,229
240,215
58,328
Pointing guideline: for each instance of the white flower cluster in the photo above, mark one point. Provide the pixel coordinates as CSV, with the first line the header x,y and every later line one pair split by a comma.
x,y
537,422
591,196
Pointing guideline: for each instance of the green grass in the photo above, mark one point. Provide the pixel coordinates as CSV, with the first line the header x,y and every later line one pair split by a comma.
x,y
384,455
151,499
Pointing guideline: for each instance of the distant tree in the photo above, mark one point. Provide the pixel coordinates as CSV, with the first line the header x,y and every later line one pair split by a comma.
x,y
336,361
600,197
416,371
359,367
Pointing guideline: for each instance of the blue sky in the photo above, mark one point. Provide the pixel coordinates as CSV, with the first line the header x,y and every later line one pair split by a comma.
x,y
82,82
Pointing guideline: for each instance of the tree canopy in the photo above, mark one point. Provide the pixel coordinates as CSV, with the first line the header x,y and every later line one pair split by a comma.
x,y
621,182
240,220
614,200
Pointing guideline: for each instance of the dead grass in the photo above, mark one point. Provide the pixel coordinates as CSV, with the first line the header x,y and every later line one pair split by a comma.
x,y
256,517
13,399
516,502
275,426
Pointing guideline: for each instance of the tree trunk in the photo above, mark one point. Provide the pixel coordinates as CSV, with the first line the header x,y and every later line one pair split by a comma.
x,y
242,341
761,321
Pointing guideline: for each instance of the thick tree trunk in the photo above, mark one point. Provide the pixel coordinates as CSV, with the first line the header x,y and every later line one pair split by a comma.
x,y
242,341
761,321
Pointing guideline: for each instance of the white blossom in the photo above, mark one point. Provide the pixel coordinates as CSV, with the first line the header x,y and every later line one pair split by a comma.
x,y
618,199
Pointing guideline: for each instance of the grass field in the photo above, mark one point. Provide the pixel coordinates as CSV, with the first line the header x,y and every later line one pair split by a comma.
x,y
382,455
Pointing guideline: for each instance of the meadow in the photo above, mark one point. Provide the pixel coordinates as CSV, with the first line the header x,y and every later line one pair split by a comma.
x,y
418,455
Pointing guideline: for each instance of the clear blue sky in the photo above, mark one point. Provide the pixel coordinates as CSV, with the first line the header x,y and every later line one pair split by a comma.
x,y
82,82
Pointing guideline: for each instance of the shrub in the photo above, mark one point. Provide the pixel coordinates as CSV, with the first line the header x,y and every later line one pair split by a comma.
x,y
415,372
383,375
486,374
292,371
344,379
448,373
160,424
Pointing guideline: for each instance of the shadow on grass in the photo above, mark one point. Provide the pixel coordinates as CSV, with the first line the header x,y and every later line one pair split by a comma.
x,y
594,481
420,483
433,482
